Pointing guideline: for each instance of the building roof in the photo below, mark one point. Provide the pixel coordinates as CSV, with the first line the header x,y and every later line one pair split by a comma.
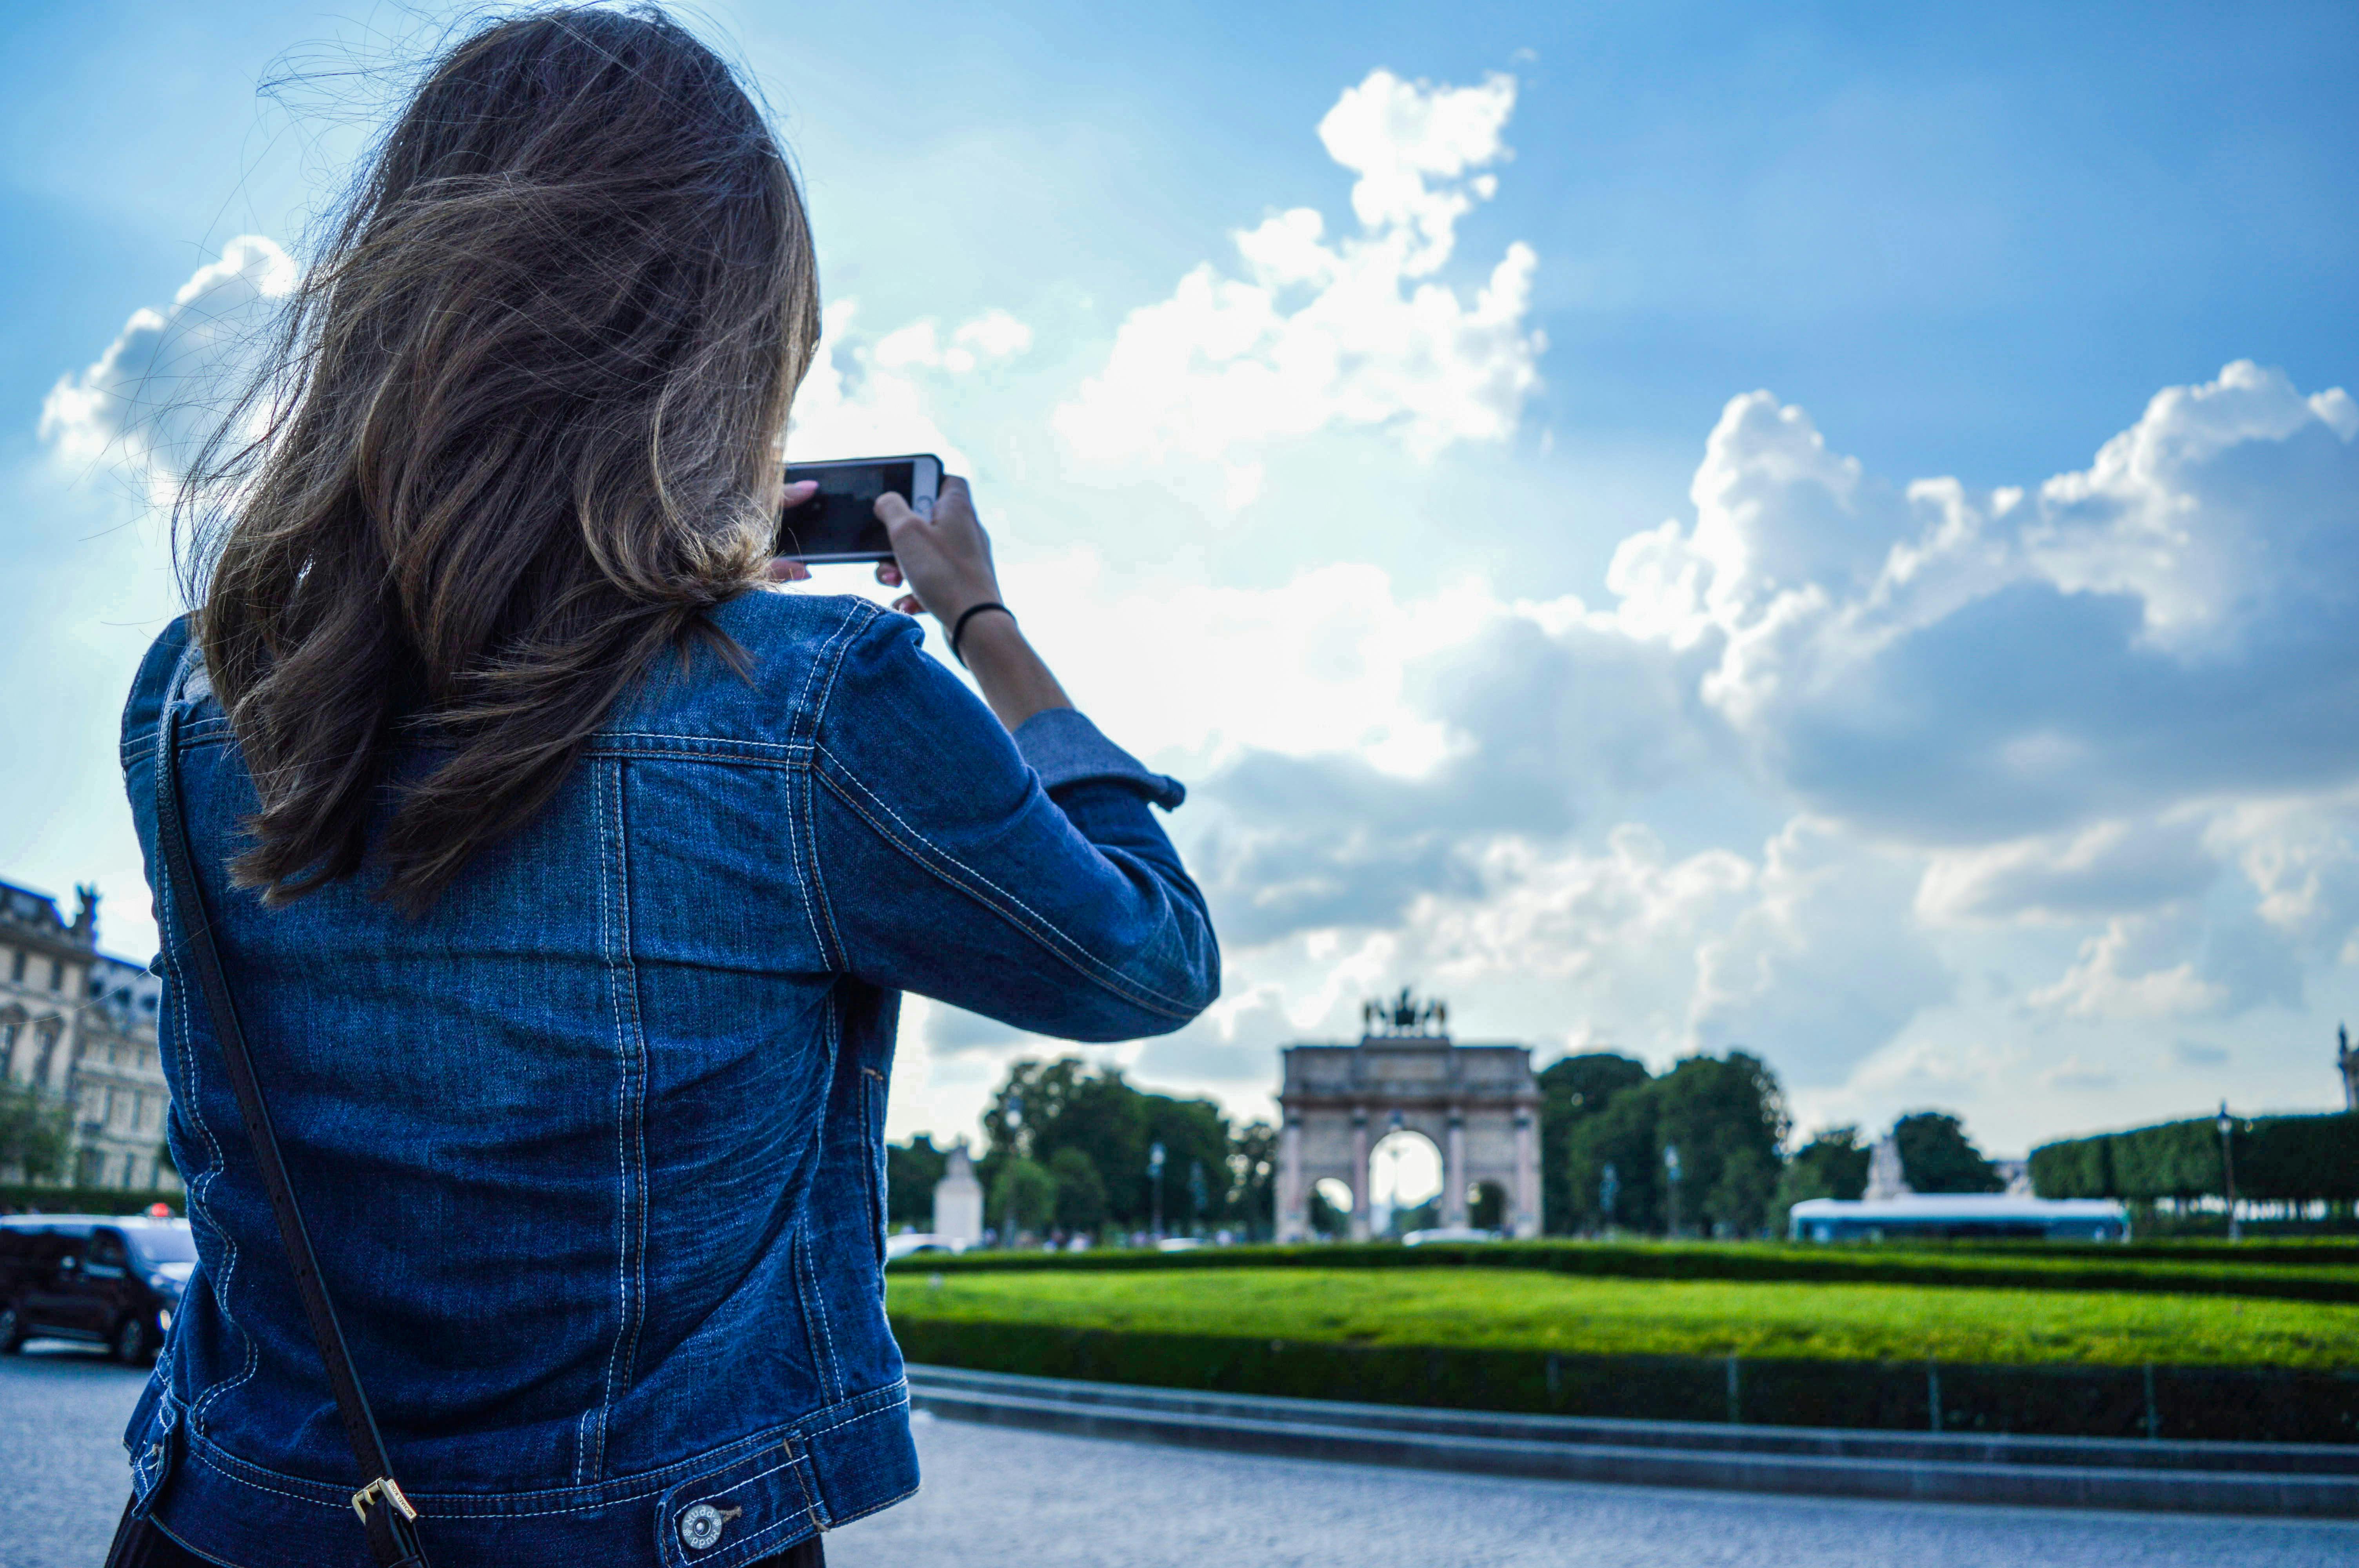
x,y
23,906
128,991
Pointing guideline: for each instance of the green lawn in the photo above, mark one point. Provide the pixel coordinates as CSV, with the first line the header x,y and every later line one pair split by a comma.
x,y
1517,1309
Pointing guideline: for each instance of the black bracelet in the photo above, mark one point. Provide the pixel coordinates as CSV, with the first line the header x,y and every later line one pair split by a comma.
x,y
957,627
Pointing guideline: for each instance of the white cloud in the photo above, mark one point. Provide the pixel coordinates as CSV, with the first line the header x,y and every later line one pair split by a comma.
x,y
1825,965
995,335
2107,868
1976,666
150,399
864,396
2118,975
1316,333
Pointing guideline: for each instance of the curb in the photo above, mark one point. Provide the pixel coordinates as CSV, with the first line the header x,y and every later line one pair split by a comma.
x,y
2302,1480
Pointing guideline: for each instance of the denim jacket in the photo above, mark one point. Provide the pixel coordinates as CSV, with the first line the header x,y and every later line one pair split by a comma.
x,y
592,1152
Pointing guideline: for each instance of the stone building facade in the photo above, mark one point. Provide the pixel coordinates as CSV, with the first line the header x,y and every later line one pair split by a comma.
x,y
1478,1104
80,1026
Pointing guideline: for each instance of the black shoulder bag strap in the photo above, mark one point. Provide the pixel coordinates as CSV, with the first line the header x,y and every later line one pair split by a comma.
x,y
385,1513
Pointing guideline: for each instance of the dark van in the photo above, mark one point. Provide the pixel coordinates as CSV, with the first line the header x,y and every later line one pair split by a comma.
x,y
114,1282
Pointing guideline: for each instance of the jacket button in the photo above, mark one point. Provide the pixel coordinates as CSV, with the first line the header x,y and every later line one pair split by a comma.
x,y
699,1527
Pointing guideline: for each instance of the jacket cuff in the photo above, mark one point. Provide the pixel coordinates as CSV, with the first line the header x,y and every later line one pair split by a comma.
x,y
1064,748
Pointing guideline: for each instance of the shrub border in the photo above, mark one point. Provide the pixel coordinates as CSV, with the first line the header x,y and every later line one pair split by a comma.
x,y
2228,1274
2194,1403
113,1202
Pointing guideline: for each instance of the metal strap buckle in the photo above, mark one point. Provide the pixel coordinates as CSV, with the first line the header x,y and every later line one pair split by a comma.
x,y
383,1490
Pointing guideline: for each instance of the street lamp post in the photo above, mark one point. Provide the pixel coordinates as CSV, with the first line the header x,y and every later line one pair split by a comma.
x,y
2228,1163
1671,1188
1015,1119
1154,1186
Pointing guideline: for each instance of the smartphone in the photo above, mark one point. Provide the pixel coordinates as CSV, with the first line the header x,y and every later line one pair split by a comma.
x,y
839,523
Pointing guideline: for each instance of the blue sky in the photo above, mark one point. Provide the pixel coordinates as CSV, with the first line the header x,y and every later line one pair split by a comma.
x,y
1516,648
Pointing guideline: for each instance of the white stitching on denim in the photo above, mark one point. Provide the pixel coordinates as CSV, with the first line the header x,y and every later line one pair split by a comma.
x,y
841,638
838,647
651,753
636,1314
198,1455
1114,979
864,1415
818,889
200,1190
212,1458
794,851
708,1497
622,1171
723,742
811,1505
652,1483
831,1023
1118,980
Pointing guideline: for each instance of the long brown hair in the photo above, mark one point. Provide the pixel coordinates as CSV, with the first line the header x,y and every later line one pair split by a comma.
x,y
508,446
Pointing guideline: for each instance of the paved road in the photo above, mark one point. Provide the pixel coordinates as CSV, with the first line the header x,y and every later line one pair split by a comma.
x,y
63,1475
995,1497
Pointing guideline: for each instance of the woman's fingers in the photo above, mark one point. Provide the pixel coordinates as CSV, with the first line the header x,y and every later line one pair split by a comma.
x,y
907,605
783,569
889,573
802,490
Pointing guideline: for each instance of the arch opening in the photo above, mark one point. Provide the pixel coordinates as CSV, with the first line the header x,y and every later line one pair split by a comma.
x,y
1486,1206
1330,1208
1404,1184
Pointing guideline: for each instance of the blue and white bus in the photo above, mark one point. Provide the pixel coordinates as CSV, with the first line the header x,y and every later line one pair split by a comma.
x,y
1958,1216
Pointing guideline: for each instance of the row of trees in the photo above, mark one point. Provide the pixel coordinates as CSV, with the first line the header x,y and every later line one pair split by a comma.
x,y
1072,1146
2277,1159
1699,1150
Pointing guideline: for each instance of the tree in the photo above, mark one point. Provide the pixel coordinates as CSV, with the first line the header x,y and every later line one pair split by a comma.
x,y
1831,1165
1028,1189
1571,1089
1252,1178
1080,1192
911,1171
36,1131
1621,1136
1937,1157
1713,1111
1738,1202
1194,1135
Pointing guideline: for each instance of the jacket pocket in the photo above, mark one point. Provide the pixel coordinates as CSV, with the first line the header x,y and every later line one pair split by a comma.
x,y
739,1512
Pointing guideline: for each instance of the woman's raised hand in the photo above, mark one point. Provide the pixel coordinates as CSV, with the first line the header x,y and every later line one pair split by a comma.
x,y
944,560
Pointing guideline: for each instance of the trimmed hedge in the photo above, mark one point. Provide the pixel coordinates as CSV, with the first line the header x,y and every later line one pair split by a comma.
x,y
2278,1158
19,1196
2216,1404
2296,1271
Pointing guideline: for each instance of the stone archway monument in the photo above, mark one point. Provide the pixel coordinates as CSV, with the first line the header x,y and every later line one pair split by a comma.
x,y
1480,1105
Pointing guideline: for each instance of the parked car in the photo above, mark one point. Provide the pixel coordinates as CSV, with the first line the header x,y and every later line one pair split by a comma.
x,y
101,1280
1451,1233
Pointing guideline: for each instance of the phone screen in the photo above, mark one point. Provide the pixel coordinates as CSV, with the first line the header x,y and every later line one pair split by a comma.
x,y
839,523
